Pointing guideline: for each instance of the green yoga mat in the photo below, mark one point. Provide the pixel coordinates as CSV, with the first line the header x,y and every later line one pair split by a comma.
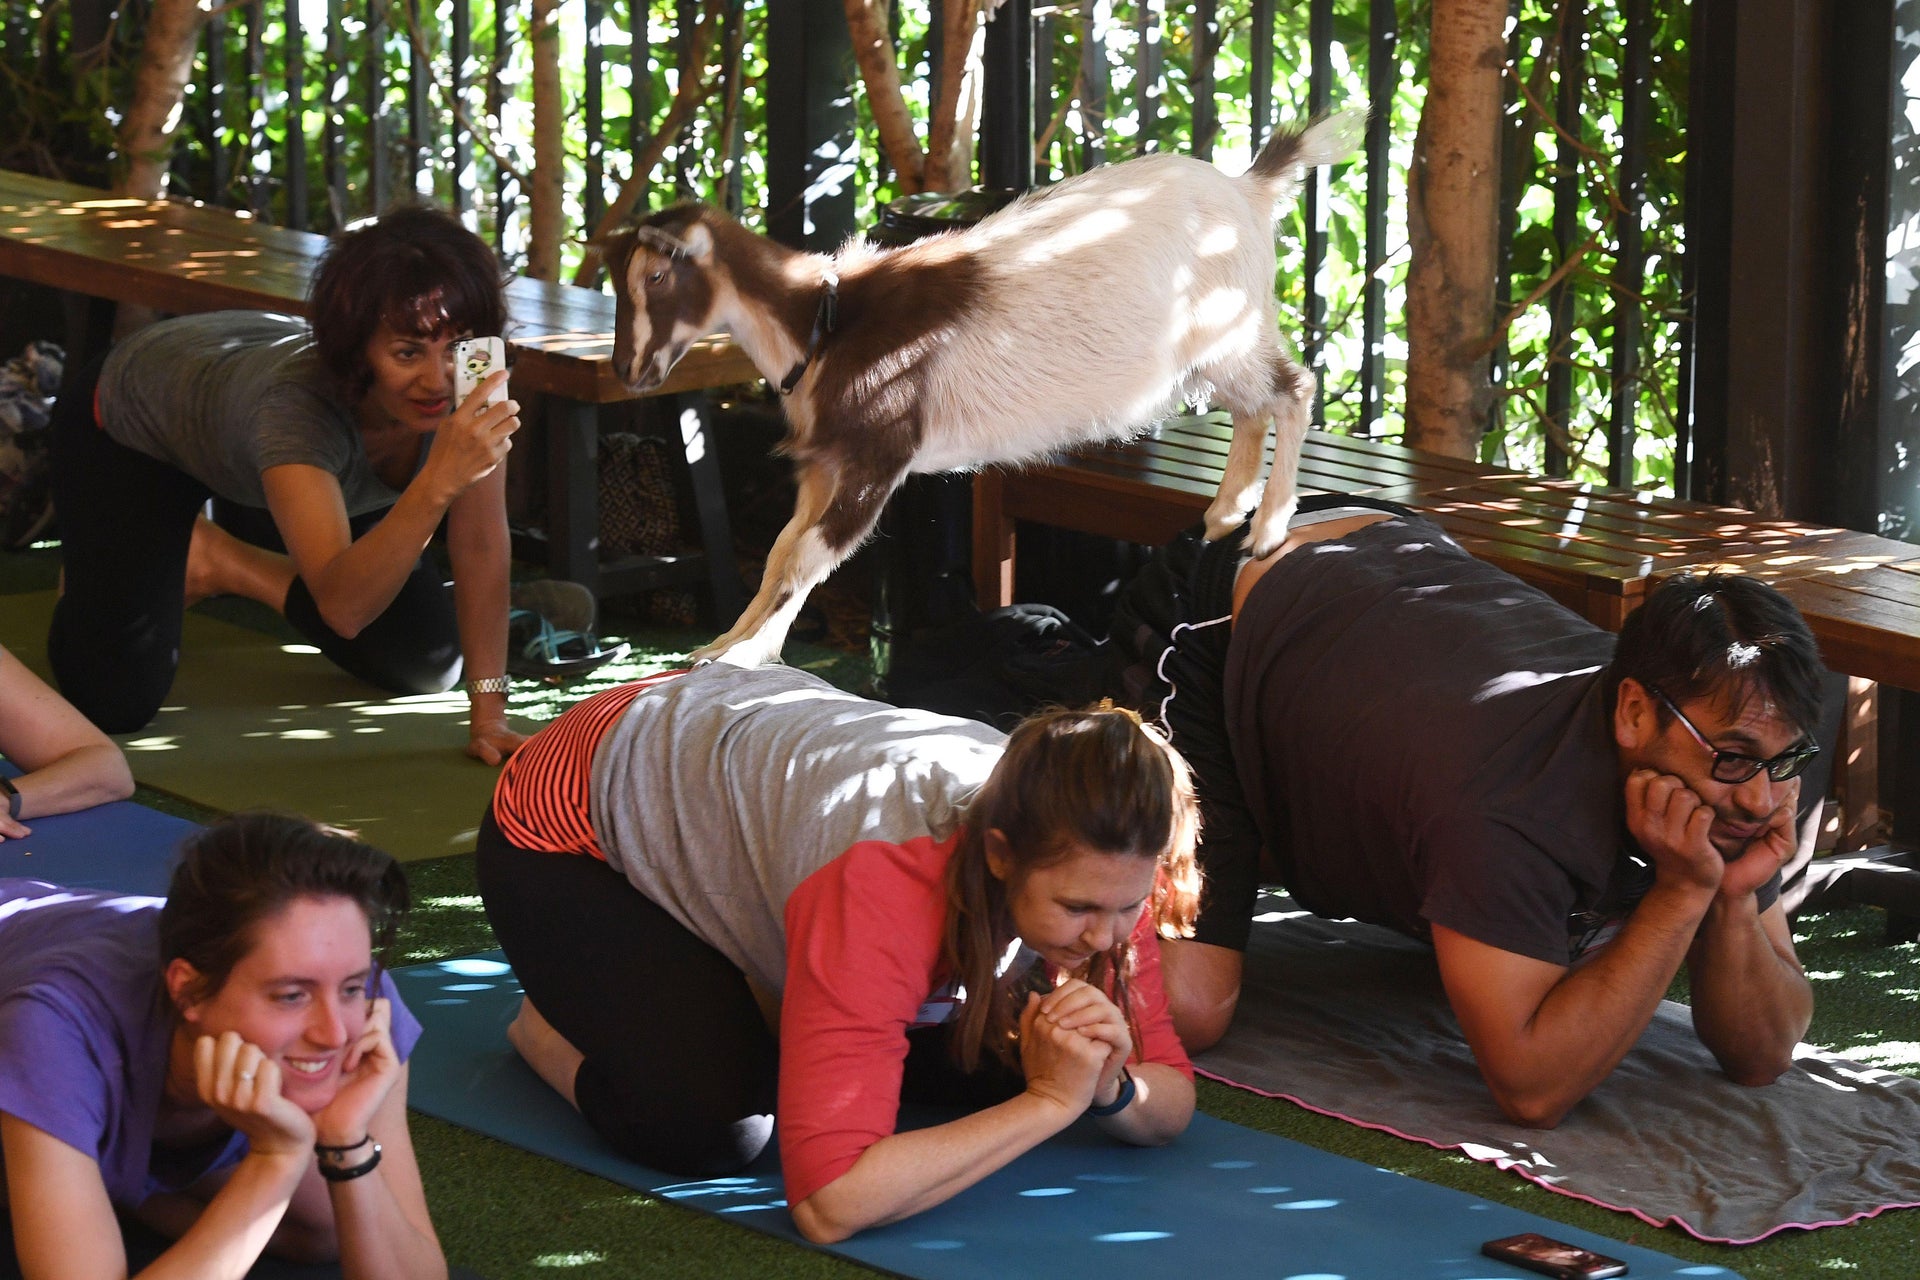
x,y
254,722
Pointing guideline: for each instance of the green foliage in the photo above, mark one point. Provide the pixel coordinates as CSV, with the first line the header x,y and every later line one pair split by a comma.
x,y
354,58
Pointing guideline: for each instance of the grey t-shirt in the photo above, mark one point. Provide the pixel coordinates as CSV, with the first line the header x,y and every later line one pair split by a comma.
x,y
718,793
225,395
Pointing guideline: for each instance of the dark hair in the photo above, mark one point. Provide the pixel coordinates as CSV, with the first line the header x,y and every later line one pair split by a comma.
x,y
1099,779
418,269
1702,635
242,870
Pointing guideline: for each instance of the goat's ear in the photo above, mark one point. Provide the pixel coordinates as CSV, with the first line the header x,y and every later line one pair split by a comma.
x,y
614,247
699,243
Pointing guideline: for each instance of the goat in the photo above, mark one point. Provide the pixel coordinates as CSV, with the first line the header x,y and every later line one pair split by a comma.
x,y
1081,312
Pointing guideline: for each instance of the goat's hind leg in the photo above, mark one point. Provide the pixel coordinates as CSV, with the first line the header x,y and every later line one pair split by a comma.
x,y
1292,408
1240,481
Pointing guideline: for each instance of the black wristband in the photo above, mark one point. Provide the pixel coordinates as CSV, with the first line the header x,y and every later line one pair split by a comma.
x,y
1120,1101
13,797
321,1148
332,1174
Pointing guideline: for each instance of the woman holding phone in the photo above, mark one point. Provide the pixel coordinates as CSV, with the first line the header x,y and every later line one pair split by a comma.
x,y
226,1067
922,908
334,450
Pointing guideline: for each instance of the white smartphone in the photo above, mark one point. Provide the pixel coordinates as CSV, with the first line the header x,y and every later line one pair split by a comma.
x,y
473,360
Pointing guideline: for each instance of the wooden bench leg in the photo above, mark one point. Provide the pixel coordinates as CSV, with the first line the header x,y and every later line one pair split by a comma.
x,y
1856,769
573,493
694,421
992,542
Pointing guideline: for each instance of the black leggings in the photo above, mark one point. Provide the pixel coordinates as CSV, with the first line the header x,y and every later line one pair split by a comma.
x,y
125,523
680,1071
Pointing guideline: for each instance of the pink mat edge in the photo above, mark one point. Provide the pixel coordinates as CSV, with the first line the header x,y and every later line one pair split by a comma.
x,y
1514,1166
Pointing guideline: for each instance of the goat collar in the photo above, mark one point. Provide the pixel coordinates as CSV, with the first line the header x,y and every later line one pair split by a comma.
x,y
822,326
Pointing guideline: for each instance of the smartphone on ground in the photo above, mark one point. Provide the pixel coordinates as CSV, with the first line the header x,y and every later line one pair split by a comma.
x,y
1552,1257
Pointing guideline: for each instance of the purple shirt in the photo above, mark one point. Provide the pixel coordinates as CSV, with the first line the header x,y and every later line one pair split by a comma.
x,y
84,1032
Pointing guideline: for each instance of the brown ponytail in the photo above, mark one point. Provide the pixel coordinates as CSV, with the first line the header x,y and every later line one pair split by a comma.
x,y
1097,779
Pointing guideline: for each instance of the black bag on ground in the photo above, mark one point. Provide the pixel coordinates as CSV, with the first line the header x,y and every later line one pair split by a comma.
x,y
1002,666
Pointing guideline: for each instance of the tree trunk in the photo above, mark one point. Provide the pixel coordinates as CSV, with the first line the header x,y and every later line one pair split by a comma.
x,y
546,213
688,95
1453,216
880,72
159,83
949,165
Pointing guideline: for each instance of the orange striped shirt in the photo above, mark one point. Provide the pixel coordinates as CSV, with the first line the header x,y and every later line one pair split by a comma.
x,y
544,799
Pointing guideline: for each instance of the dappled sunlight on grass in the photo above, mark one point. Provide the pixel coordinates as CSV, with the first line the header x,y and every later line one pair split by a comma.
x,y
1866,993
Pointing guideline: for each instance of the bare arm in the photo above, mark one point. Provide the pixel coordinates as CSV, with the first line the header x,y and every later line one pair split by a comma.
x,y
1545,1036
905,1173
68,764
479,546
381,1220
354,580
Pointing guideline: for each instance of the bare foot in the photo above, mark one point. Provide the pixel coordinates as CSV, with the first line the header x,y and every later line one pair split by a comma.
x,y
219,564
552,1057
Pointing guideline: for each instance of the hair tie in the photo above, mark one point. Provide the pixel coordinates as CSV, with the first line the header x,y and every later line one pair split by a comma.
x,y
1108,704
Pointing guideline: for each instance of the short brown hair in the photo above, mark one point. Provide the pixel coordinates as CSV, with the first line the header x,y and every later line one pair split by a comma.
x,y
418,269
244,869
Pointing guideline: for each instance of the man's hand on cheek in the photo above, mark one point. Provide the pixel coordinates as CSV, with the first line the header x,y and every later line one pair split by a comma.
x,y
1671,824
1767,852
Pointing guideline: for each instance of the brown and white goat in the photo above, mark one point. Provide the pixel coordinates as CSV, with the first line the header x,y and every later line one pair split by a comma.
x,y
1084,311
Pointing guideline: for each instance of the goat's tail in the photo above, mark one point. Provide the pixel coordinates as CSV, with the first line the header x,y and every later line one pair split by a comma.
x,y
1291,152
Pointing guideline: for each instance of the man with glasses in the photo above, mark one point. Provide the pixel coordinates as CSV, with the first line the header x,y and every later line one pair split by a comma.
x,y
1402,734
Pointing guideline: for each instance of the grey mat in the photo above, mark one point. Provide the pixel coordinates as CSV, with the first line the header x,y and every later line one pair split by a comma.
x,y
1351,1021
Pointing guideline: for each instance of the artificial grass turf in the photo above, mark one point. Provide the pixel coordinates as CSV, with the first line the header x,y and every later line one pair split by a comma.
x,y
559,1217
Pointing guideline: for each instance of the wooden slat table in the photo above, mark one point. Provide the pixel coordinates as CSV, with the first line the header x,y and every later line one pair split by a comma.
x,y
1150,489
178,257
1595,550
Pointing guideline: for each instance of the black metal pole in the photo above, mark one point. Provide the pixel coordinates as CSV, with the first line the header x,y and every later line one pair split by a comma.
x,y
296,119
1566,226
1262,72
333,118
1147,88
1095,20
460,51
1383,77
1006,116
594,201
1319,97
420,130
1630,256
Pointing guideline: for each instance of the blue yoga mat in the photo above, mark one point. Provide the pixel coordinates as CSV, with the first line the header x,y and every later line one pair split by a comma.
x,y
1222,1200
121,846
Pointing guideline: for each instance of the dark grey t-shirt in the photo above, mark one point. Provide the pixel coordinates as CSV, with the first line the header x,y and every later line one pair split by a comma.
x,y
1422,739
225,395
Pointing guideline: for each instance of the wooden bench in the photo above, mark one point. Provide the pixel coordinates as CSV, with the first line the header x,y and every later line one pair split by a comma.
x,y
176,257
1597,551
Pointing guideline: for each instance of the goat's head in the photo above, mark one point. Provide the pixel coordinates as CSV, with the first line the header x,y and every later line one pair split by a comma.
x,y
663,293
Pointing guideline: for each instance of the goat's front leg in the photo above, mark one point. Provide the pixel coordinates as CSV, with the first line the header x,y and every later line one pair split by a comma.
x,y
1240,481
1292,413
834,514
793,569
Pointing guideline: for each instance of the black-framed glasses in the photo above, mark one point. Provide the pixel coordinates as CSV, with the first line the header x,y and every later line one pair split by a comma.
x,y
1731,767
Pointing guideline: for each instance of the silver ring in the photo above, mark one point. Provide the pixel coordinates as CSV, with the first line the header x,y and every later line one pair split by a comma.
x,y
247,1076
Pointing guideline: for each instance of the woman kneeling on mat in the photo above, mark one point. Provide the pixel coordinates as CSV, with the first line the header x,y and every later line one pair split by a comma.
x,y
927,910
226,1067
341,446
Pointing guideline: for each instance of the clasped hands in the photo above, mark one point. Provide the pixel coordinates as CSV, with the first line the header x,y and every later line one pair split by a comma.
x,y
1073,1043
